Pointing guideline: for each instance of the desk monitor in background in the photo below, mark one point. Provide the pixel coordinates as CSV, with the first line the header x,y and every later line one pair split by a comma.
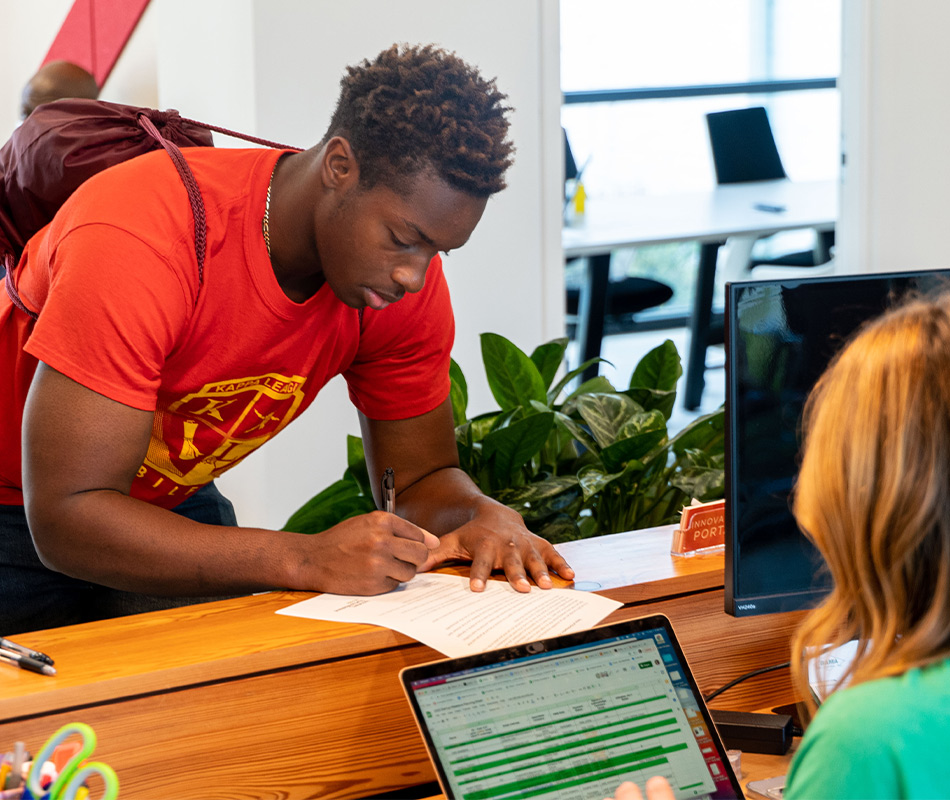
x,y
780,335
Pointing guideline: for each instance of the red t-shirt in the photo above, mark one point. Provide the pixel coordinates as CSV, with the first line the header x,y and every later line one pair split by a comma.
x,y
225,365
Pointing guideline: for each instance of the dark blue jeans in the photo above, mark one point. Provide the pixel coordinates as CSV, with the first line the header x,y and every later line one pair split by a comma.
x,y
33,597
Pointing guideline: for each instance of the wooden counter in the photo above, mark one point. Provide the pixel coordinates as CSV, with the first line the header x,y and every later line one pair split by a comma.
x,y
229,700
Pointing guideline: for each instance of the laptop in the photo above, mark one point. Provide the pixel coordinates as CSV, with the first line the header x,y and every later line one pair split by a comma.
x,y
570,717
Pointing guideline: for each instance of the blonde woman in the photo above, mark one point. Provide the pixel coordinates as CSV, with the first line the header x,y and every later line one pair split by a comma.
x,y
873,493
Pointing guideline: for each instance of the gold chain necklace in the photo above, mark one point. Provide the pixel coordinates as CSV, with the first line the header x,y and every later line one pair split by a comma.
x,y
265,223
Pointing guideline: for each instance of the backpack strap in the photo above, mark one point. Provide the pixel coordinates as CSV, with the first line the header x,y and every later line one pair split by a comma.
x,y
191,186
238,135
12,293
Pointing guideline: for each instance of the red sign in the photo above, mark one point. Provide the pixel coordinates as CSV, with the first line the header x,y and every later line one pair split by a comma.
x,y
702,527
94,34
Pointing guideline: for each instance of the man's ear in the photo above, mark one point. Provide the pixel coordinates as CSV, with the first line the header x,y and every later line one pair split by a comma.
x,y
340,169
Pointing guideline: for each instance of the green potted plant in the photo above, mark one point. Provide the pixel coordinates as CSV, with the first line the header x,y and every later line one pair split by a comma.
x,y
574,463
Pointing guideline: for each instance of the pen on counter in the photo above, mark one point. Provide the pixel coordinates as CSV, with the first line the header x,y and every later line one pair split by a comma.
x,y
6,644
25,662
388,491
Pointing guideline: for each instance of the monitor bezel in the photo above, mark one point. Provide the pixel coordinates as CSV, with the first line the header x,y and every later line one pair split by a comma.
x,y
736,604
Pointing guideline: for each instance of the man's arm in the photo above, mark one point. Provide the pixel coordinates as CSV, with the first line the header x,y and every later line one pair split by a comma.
x,y
433,492
80,453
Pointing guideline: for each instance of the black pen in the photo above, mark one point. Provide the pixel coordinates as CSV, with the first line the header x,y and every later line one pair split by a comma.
x,y
25,662
387,489
6,644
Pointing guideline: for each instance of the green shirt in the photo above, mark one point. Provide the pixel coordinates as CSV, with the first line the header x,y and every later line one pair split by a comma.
x,y
888,738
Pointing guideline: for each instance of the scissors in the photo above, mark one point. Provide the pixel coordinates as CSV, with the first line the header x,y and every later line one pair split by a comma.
x,y
70,783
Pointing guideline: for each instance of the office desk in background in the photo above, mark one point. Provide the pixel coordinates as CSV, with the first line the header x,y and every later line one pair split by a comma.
x,y
709,218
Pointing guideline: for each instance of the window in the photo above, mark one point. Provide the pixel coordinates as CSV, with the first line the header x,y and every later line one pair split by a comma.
x,y
638,78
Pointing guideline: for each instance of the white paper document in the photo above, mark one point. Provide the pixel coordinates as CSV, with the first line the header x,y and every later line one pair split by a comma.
x,y
443,613
825,672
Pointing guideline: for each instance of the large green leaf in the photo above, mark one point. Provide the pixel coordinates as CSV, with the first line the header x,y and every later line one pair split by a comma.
x,y
548,358
606,414
463,440
596,385
482,424
555,392
560,529
539,500
706,433
631,448
588,526
356,464
458,393
702,483
702,458
577,431
513,378
340,500
350,507
354,451
653,399
509,448
463,434
508,417
593,480
659,369
643,421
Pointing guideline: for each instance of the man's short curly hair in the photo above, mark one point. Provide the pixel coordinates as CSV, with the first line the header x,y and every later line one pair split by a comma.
x,y
415,107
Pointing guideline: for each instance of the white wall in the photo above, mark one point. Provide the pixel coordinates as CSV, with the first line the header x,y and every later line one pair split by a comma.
x,y
272,68
895,194
28,32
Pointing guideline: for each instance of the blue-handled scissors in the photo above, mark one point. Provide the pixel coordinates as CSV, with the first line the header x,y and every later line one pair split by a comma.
x,y
75,772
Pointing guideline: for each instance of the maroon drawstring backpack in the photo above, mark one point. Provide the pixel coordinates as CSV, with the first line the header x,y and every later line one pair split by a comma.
x,y
63,143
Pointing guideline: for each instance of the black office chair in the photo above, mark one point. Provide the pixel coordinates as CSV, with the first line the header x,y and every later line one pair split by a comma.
x,y
621,301
743,149
625,299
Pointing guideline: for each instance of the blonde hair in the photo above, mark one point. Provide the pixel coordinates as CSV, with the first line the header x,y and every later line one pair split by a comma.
x,y
873,493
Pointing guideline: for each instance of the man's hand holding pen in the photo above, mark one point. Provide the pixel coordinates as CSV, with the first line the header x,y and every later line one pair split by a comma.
x,y
363,555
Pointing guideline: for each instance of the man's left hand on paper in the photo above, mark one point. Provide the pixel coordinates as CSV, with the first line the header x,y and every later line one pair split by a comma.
x,y
496,539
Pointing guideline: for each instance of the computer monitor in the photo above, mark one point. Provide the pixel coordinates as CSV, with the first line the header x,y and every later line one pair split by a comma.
x,y
780,336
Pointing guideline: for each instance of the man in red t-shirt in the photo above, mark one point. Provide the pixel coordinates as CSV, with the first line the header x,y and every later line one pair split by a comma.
x,y
141,380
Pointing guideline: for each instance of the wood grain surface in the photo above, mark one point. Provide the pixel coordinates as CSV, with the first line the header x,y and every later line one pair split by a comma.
x,y
229,700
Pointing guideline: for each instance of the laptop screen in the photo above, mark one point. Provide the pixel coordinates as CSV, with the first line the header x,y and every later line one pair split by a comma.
x,y
573,719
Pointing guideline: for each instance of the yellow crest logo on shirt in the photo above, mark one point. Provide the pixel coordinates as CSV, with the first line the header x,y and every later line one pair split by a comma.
x,y
205,433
